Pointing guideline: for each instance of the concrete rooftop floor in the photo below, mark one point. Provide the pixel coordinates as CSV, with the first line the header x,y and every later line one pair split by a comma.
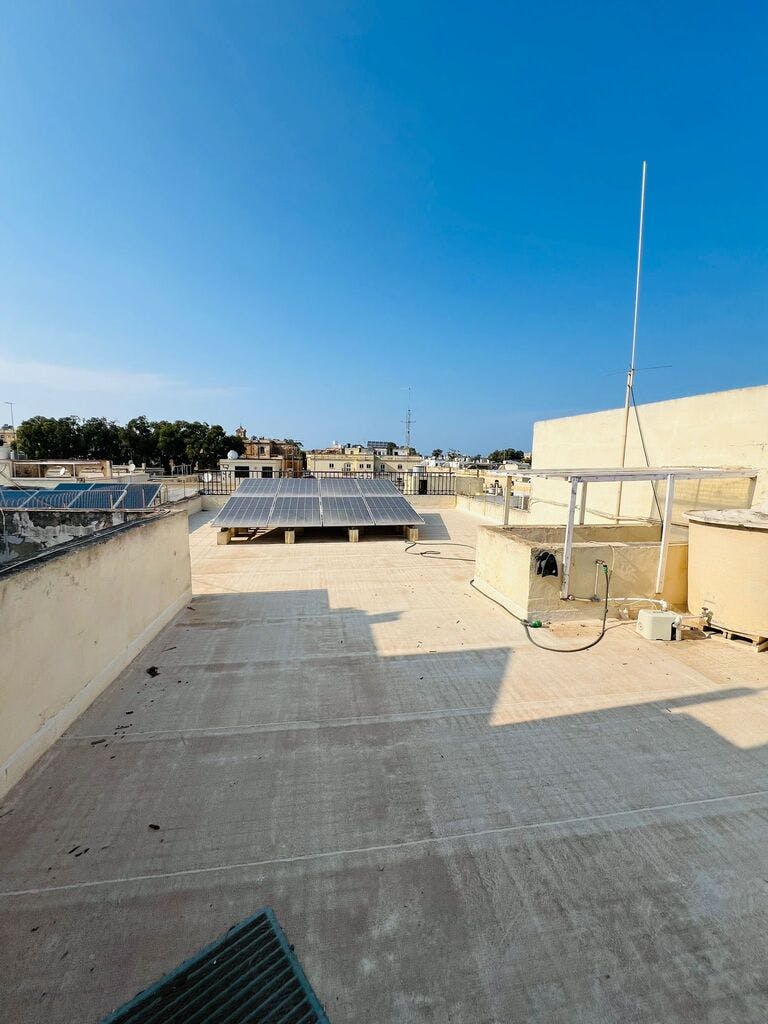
x,y
451,825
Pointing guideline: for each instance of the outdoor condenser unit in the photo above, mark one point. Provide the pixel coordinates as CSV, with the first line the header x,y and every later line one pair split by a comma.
x,y
655,625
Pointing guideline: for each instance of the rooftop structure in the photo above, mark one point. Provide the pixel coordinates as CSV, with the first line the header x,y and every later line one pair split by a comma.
x,y
450,824
75,469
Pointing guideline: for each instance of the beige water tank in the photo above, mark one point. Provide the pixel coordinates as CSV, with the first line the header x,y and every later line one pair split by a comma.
x,y
728,568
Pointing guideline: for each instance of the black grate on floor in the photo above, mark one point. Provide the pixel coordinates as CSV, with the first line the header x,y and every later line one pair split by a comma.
x,y
247,976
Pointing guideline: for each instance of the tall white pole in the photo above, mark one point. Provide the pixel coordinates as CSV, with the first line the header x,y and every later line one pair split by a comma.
x,y
631,370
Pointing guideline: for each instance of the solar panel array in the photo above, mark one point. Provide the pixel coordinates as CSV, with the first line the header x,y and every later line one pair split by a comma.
x,y
76,496
310,502
346,511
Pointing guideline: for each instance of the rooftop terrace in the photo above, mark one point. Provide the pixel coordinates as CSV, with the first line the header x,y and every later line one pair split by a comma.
x,y
450,824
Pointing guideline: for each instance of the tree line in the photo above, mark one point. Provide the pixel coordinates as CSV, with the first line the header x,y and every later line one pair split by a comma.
x,y
154,442
499,455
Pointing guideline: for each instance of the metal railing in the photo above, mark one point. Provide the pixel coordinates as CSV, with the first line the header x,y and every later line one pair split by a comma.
x,y
492,505
226,481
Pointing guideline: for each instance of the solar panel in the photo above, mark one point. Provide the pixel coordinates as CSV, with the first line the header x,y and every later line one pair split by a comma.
x,y
72,487
339,488
246,512
97,498
50,498
378,488
258,486
300,486
346,511
10,498
392,512
306,502
293,511
140,496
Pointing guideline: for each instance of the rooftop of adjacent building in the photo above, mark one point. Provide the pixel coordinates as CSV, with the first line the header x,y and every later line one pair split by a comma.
x,y
450,824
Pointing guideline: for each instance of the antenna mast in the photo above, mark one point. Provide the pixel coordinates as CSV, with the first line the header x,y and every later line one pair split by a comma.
x,y
631,370
408,420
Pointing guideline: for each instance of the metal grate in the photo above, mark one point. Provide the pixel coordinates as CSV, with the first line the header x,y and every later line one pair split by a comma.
x,y
250,975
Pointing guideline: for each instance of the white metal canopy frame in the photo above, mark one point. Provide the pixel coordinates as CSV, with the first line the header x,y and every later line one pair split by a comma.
x,y
584,477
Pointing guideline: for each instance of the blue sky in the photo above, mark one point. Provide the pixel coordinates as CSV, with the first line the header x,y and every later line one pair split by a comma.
x,y
286,213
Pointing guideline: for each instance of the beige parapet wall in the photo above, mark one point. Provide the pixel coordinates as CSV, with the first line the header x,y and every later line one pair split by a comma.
x,y
480,505
72,621
505,569
724,428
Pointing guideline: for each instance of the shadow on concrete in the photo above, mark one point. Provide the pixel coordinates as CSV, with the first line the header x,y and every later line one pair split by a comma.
x,y
440,840
434,527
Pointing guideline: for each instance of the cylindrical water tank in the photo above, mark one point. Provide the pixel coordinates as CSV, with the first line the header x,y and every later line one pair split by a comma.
x,y
728,568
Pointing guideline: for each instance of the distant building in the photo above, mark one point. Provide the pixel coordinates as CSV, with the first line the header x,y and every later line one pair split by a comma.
x,y
7,435
375,457
345,459
402,460
265,457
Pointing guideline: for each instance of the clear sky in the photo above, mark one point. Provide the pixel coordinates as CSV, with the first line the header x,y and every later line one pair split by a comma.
x,y
284,213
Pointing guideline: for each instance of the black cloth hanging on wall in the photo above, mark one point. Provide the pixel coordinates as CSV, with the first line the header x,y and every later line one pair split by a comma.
x,y
546,564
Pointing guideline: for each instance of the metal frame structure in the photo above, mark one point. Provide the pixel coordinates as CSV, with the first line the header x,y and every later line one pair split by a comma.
x,y
581,478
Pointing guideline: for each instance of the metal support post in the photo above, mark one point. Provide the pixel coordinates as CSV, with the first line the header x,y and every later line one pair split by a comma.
x,y
568,545
668,502
583,502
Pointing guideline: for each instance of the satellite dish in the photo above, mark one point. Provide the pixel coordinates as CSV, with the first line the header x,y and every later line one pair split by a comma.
x,y
131,467
232,454
62,470
207,477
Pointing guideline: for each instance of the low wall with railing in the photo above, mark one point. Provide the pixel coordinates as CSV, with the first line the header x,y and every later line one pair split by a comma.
x,y
491,506
227,481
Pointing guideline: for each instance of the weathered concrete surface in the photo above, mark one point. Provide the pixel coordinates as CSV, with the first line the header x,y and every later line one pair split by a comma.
x,y
451,825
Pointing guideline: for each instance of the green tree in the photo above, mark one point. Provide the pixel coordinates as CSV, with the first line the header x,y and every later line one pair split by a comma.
x,y
506,455
139,440
195,435
171,443
101,438
215,446
437,453
46,437
233,443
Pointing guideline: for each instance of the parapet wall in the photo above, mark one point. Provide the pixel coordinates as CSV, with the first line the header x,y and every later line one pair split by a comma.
x,y
505,569
723,429
73,620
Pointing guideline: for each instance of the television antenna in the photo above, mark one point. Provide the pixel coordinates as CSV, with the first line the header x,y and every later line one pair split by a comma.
x,y
631,371
408,420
